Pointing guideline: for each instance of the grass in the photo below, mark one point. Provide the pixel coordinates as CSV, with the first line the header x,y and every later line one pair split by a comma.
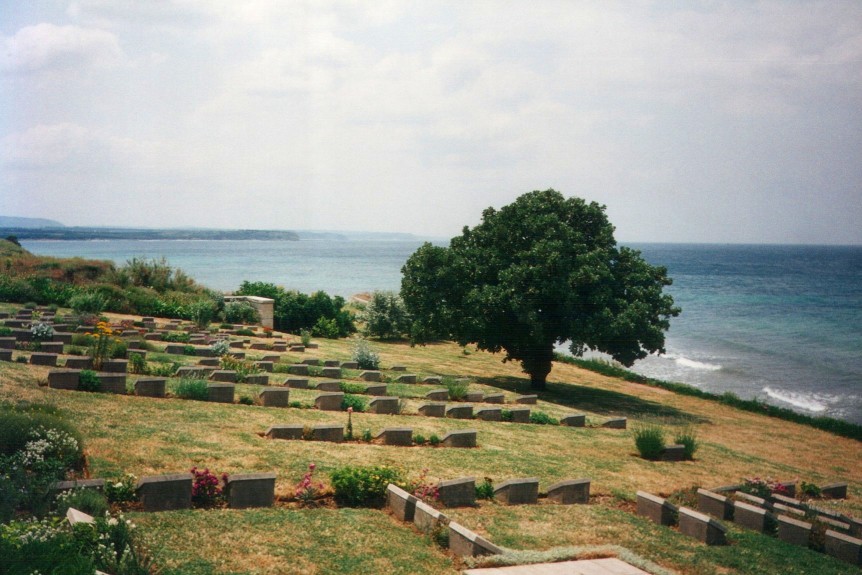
x,y
168,436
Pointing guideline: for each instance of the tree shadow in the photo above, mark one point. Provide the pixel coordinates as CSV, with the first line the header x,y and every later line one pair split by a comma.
x,y
596,400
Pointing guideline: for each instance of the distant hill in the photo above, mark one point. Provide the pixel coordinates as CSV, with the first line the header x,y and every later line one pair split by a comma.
x,y
16,222
80,233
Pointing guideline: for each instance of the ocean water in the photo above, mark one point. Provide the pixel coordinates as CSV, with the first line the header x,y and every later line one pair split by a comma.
x,y
780,323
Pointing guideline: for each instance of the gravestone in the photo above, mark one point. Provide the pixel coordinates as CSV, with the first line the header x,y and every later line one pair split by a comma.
x,y
63,378
433,409
175,349
384,405
329,401
328,385
489,414
285,431
460,412
432,379
349,365
193,371
574,420
331,363
220,392
843,547
521,491
674,452
313,361
527,399
656,509
331,372
250,490
834,491
570,491
618,423
495,398
150,387
426,518
396,436
5,355
750,516
7,342
296,382
406,378
115,366
275,397
271,358
520,415
165,492
326,432
49,359
714,504
266,366
112,382
370,376
701,527
457,492
51,347
474,396
437,395
94,484
460,438
398,368
401,503
297,369
376,389
209,362
79,363
297,348
465,543
223,375
793,531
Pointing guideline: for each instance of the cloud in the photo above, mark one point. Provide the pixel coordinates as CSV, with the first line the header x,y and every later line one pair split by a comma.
x,y
50,47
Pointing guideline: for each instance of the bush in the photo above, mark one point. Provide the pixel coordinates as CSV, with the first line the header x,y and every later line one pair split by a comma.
x,y
364,486
356,402
542,418
162,369
364,356
18,425
202,312
176,337
121,489
245,400
220,347
325,327
649,440
810,490
385,316
688,439
457,388
88,380
485,490
42,331
190,388
137,363
305,337
240,312
90,501
294,311
30,547
88,302
353,388
206,491
242,367
434,439
419,439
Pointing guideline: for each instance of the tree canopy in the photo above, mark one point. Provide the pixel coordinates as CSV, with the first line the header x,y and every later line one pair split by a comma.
x,y
541,271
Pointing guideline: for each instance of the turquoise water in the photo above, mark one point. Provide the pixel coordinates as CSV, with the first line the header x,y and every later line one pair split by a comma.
x,y
781,323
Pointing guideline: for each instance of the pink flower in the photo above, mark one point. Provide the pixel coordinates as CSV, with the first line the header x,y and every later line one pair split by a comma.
x,y
312,466
349,410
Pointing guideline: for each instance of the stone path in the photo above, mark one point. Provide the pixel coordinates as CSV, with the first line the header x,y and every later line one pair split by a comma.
x,y
611,566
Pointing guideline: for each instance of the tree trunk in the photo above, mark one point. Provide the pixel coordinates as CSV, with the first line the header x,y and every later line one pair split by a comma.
x,y
538,362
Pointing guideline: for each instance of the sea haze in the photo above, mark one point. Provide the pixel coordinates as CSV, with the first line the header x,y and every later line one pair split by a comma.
x,y
781,323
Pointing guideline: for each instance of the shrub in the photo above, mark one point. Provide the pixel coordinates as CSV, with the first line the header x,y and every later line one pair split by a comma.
x,y
42,331
434,439
176,337
246,400
457,388
810,490
109,540
688,439
357,486
90,501
649,440
31,305
242,367
364,356
82,339
366,435
31,547
202,312
485,490
162,369
240,312
190,388
88,302
294,311
121,489
119,349
137,363
326,327
419,439
354,401
423,488
220,347
762,487
385,316
354,388
541,418
245,331
189,350
206,491
103,344
305,337
5,331
88,380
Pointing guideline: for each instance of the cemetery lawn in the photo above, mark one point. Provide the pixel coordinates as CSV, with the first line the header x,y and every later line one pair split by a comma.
x,y
144,436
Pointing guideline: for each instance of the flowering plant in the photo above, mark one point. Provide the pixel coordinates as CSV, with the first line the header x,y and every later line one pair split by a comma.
x,y
42,331
349,434
423,489
121,489
206,490
763,487
306,490
102,344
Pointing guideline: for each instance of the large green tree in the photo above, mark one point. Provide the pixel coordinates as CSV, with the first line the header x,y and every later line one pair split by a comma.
x,y
541,271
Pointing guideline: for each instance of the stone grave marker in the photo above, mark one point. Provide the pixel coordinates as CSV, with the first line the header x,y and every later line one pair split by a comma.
x,y
402,504
437,395
370,376
150,387
433,409
220,392
63,378
384,405
285,431
396,436
714,504
457,492
466,543
326,432
574,420
248,490
570,491
275,397
489,414
520,415
460,412
518,491
165,492
329,401
701,527
296,382
460,438
793,531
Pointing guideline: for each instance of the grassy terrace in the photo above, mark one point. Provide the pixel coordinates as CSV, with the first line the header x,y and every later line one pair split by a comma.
x,y
152,436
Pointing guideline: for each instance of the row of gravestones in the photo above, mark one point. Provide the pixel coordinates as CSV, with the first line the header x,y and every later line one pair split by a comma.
x,y
841,539
170,492
389,436
462,493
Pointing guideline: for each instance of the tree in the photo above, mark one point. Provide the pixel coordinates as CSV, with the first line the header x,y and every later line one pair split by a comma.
x,y
385,316
540,271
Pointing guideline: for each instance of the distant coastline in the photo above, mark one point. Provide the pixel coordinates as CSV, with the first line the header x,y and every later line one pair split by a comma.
x,y
76,233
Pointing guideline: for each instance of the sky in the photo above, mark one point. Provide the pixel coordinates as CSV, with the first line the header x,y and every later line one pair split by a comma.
x,y
718,122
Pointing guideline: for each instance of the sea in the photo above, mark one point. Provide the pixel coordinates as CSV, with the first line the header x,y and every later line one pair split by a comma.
x,y
779,323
